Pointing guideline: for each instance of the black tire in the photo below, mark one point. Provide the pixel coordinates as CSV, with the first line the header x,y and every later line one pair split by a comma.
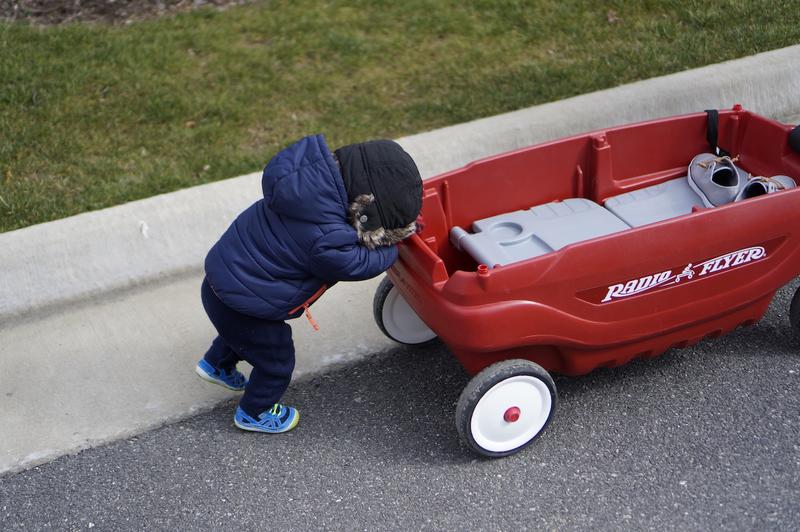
x,y
485,381
794,314
378,301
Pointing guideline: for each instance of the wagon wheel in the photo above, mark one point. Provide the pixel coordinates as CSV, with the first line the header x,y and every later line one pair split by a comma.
x,y
505,407
794,313
396,319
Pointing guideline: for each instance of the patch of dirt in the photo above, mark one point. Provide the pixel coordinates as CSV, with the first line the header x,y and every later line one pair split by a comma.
x,y
51,12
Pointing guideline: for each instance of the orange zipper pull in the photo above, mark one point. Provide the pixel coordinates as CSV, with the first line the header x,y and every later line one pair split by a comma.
x,y
308,304
310,319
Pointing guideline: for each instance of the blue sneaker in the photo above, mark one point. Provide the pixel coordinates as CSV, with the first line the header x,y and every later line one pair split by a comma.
x,y
232,380
279,418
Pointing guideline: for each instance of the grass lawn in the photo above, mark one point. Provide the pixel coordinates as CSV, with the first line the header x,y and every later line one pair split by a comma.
x,y
95,115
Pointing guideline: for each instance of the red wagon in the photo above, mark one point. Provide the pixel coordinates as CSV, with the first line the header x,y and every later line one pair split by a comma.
x,y
661,281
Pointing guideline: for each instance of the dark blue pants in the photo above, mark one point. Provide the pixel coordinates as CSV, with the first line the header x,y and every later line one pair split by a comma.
x,y
266,345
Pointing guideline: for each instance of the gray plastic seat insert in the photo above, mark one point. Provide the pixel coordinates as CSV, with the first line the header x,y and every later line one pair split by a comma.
x,y
653,204
520,235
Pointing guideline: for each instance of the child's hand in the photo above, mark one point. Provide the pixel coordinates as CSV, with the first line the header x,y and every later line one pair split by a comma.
x,y
420,224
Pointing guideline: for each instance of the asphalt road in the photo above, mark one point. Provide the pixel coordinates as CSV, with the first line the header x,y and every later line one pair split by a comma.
x,y
704,438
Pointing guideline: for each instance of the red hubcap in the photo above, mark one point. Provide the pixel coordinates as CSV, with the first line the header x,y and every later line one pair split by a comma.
x,y
512,414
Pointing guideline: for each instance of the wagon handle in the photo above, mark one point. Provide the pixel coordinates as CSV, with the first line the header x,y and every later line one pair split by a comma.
x,y
712,132
794,139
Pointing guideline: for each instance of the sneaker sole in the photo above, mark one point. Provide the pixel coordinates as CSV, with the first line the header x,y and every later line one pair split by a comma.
x,y
208,378
256,429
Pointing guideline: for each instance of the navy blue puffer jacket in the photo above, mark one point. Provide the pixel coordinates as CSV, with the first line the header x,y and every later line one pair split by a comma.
x,y
281,252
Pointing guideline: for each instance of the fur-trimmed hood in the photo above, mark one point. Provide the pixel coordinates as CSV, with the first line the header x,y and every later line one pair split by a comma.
x,y
375,237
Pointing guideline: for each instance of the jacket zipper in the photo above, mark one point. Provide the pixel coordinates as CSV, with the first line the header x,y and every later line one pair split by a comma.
x,y
307,304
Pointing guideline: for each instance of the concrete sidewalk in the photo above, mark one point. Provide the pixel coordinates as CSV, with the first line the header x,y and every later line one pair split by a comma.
x,y
100,321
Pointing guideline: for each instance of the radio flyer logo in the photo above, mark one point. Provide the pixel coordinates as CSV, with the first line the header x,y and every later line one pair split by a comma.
x,y
688,273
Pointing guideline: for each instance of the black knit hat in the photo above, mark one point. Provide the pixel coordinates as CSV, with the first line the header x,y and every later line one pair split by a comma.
x,y
384,189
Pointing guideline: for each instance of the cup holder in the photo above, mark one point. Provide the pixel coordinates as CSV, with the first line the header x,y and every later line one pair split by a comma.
x,y
505,230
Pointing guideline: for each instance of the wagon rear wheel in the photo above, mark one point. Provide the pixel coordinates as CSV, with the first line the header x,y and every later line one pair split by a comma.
x,y
794,314
396,319
505,407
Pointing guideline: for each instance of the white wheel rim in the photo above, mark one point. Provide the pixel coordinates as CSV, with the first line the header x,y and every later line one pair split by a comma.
x,y
489,428
401,322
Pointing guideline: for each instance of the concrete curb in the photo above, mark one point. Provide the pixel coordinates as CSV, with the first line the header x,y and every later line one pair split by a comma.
x,y
100,319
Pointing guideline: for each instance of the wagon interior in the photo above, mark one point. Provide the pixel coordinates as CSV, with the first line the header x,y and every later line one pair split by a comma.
x,y
606,168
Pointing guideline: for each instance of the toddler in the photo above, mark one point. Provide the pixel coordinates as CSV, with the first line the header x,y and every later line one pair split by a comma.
x,y
325,217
